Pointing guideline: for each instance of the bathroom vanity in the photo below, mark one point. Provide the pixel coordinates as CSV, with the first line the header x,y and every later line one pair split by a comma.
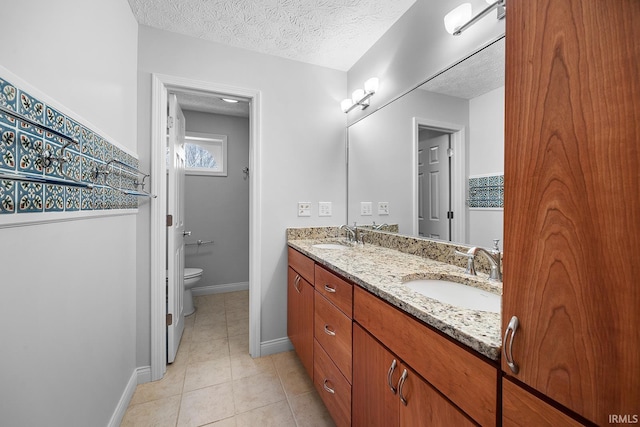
x,y
380,353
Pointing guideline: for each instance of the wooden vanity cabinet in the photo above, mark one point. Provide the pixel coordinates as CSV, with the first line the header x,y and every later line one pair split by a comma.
x,y
387,392
572,204
465,379
300,312
333,354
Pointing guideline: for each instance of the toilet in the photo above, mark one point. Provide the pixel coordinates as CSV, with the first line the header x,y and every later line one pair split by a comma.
x,y
191,277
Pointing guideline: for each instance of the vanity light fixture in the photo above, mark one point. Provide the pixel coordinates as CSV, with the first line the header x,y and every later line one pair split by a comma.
x,y
360,97
459,19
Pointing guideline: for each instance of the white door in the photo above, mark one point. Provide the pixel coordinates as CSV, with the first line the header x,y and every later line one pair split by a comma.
x,y
175,231
433,184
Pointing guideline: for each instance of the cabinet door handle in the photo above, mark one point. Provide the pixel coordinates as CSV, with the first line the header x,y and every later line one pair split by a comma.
x,y
329,289
403,378
296,284
327,388
329,331
392,368
507,350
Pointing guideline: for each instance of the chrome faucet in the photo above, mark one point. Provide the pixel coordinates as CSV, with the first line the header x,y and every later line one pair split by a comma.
x,y
492,255
351,231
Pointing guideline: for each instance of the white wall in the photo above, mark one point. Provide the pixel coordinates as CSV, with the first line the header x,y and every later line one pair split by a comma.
x,y
302,137
217,207
67,295
486,157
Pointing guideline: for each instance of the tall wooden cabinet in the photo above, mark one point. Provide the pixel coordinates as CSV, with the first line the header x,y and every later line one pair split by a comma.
x,y
300,295
572,206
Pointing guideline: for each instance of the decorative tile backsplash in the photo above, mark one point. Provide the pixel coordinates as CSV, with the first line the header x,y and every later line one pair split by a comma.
x,y
486,191
25,148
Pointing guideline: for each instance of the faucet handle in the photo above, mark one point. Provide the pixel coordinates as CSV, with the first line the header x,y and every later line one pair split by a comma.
x,y
496,247
471,268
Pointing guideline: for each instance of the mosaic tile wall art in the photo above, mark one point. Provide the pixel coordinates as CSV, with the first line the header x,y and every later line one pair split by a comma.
x,y
43,149
486,191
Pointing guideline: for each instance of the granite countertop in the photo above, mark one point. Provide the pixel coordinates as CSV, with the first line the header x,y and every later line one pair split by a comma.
x,y
382,271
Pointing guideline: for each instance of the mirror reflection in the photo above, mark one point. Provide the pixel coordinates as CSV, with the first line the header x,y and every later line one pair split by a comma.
x,y
432,161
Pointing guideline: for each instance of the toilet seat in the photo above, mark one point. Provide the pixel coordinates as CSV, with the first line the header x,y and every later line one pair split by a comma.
x,y
192,272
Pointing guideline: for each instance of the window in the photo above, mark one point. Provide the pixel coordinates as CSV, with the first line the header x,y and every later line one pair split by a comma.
x,y
205,154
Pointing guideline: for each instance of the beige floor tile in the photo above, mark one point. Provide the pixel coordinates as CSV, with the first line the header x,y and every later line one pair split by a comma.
x,y
208,373
243,365
227,422
210,318
206,405
209,350
161,412
237,314
257,391
170,385
292,373
309,411
239,327
239,344
274,415
210,332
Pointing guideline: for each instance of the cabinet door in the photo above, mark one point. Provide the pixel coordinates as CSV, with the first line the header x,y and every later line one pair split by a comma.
x,y
374,369
572,205
422,406
300,318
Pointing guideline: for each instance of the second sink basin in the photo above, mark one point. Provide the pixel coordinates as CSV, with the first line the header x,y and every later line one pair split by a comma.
x,y
457,294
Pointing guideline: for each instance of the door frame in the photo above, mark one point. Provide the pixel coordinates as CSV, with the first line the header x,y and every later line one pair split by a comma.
x,y
458,173
161,85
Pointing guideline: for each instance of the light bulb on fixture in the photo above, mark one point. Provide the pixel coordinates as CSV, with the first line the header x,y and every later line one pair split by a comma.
x,y
457,17
371,85
229,100
360,96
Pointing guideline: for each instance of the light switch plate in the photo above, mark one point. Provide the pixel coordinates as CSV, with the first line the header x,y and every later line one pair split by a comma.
x,y
366,209
304,208
383,208
324,209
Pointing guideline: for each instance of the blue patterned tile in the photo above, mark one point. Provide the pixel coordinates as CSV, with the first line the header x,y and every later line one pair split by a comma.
x,y
53,198
30,197
30,107
54,119
8,147
74,131
72,201
87,141
7,197
29,153
87,201
8,95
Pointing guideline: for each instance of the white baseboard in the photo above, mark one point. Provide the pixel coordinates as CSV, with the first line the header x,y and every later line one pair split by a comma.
x,y
219,289
138,376
275,346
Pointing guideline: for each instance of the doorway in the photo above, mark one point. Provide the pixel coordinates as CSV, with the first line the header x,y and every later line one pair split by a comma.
x,y
162,85
439,180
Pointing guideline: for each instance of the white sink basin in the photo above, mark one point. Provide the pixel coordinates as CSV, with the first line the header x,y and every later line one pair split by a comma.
x,y
330,246
457,294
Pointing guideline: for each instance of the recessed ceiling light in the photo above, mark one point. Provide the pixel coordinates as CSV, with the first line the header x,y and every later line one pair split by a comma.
x,y
229,100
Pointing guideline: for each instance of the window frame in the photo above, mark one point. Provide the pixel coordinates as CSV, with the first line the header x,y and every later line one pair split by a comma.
x,y
205,138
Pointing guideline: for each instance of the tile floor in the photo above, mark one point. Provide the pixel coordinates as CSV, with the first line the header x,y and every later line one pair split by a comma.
x,y
214,381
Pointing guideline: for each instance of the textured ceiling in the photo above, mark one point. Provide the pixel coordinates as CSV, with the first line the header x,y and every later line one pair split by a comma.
x,y
208,103
475,76
331,33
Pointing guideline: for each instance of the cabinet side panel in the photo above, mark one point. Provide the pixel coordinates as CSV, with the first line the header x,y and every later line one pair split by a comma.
x,y
572,201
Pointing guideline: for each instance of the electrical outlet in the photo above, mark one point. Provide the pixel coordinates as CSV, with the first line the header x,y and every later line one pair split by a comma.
x,y
366,209
324,208
383,208
304,208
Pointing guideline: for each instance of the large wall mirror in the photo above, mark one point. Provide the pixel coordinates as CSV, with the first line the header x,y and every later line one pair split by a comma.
x,y
432,161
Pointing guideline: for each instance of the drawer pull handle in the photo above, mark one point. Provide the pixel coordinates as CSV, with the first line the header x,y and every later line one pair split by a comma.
x,y
392,368
403,378
297,283
329,331
508,350
327,388
329,289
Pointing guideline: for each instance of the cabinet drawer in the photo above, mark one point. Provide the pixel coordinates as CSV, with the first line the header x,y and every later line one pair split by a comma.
x,y
302,264
333,388
468,381
333,330
335,289
521,408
